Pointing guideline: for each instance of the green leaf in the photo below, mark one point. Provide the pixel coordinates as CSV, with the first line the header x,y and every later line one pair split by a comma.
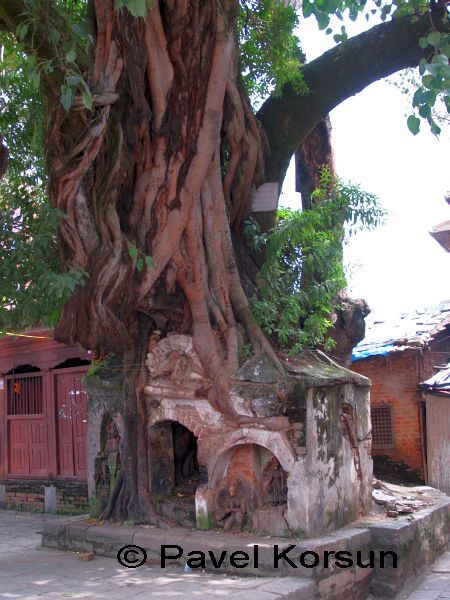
x,y
139,264
417,98
307,8
435,129
133,251
422,66
73,79
440,59
54,35
87,98
138,8
428,81
80,29
36,78
323,20
149,261
423,42
71,56
413,124
66,96
434,38
425,111
21,31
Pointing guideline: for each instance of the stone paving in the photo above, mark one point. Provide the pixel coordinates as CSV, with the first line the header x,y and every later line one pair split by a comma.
x,y
30,572
435,585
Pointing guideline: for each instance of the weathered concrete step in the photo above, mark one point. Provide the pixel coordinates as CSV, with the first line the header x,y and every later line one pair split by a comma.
x,y
301,582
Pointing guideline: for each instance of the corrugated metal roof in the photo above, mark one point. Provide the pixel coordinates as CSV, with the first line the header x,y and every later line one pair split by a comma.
x,y
396,334
441,233
439,383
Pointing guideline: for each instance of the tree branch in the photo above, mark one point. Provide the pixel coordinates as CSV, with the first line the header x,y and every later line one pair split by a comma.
x,y
338,74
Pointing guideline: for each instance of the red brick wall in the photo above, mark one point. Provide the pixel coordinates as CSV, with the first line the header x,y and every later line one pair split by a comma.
x,y
394,381
242,463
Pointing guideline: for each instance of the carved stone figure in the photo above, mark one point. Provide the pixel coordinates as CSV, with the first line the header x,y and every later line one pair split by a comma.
x,y
174,369
174,357
235,503
274,483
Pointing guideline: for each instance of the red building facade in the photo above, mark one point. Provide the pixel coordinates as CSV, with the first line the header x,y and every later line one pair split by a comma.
x,y
43,440
396,365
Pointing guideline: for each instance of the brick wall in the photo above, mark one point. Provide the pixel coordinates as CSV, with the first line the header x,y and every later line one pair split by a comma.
x,y
394,381
242,463
71,496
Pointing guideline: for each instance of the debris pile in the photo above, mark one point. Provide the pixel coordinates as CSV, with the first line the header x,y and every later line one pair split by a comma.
x,y
398,500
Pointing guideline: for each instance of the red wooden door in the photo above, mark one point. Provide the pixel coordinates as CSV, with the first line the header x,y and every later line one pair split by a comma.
x,y
71,424
26,426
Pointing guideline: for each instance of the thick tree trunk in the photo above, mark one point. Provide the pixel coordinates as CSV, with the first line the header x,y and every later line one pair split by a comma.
x,y
144,170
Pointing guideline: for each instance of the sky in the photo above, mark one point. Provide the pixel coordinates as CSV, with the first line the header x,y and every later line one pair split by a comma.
x,y
399,267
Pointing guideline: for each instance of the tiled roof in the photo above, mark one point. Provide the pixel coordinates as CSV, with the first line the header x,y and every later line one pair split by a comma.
x,y
412,330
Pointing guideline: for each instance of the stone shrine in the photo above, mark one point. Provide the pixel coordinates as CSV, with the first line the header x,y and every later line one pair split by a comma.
x,y
311,476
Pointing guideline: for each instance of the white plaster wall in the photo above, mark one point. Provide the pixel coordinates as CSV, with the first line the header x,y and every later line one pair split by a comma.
x,y
325,491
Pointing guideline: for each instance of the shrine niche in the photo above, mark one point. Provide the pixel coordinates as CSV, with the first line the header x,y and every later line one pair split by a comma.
x,y
255,484
174,471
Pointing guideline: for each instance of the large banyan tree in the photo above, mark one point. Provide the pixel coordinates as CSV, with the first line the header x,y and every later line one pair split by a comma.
x,y
153,148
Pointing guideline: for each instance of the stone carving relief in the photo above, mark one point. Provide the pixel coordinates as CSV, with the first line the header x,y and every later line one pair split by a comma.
x,y
274,483
235,503
174,357
173,363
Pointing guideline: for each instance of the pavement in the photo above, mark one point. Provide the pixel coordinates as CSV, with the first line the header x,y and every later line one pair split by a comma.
x,y
30,572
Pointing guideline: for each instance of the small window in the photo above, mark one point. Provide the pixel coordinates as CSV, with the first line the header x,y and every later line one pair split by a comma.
x,y
382,429
24,395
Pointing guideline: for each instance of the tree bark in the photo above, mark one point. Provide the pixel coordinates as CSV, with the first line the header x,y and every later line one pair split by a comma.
x,y
312,156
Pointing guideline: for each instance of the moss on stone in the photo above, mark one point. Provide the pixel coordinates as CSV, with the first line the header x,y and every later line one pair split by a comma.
x,y
204,520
